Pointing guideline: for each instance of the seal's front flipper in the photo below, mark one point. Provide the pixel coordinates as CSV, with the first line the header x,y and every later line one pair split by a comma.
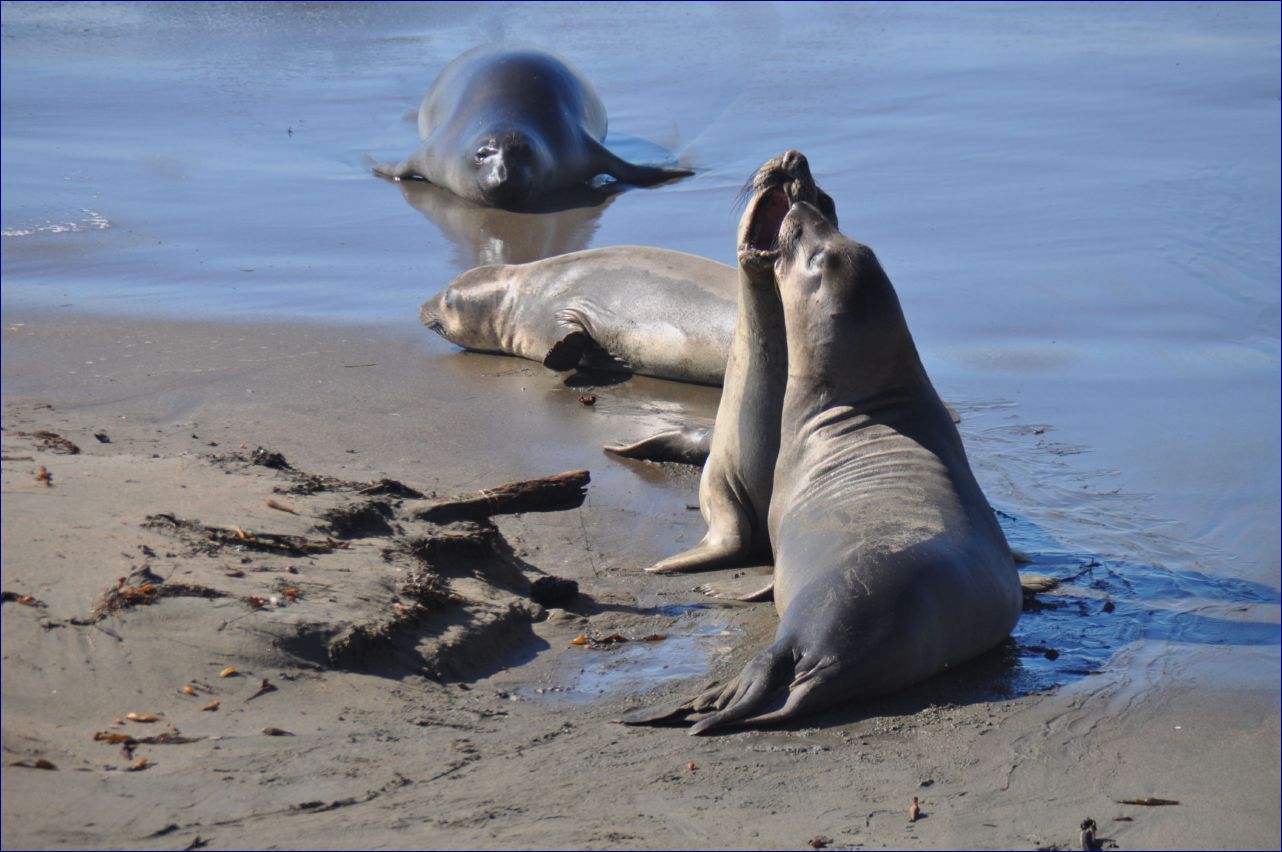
x,y
673,713
396,171
728,542
776,686
621,170
762,688
689,445
721,552
567,352
676,712
750,586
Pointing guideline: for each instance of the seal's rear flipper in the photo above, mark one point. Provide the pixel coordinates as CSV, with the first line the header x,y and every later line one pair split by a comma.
x,y
1036,584
689,445
621,170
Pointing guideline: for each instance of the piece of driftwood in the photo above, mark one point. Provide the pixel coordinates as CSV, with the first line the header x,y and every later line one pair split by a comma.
x,y
216,537
53,442
545,494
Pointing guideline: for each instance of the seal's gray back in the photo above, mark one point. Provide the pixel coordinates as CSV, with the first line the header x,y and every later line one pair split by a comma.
x,y
515,82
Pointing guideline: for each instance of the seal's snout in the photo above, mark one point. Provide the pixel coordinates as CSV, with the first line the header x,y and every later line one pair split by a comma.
x,y
780,183
505,171
803,224
506,183
430,313
796,165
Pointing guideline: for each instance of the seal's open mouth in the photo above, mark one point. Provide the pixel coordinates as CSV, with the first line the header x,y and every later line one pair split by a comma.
x,y
763,232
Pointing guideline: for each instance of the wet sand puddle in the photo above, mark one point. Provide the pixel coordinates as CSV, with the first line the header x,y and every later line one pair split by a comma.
x,y
684,650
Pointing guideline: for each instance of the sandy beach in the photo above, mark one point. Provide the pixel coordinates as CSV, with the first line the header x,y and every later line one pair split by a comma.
x,y
216,310
490,728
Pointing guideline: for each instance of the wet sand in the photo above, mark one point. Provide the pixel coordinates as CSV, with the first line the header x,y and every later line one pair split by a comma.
x,y
1077,205
510,743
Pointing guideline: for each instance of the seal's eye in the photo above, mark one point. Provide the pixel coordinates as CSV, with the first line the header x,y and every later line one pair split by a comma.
x,y
815,262
485,152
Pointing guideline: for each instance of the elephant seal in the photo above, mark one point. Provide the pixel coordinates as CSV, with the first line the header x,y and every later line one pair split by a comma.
x,y
734,489
889,564
509,125
627,308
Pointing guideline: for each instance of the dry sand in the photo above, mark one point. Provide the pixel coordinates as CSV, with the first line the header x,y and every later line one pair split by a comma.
x,y
476,722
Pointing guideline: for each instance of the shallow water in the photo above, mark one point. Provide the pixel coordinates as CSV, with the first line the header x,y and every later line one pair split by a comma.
x,y
1078,205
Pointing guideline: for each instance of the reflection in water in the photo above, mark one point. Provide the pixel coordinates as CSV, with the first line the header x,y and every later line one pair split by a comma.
x,y
488,235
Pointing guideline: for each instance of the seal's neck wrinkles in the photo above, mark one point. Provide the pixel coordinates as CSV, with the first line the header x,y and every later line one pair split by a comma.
x,y
848,344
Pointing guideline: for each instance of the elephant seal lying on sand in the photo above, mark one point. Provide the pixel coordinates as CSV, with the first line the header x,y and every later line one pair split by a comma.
x,y
889,564
642,310
509,125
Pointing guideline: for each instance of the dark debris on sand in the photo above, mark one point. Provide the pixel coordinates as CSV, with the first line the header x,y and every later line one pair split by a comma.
x,y
452,565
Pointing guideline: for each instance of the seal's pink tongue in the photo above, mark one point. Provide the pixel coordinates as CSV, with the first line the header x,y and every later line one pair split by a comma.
x,y
764,234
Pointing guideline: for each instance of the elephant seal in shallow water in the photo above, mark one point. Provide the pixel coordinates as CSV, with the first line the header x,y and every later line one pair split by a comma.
x,y
734,489
642,310
506,126
889,564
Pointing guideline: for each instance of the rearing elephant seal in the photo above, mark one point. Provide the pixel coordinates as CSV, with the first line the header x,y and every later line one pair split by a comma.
x,y
506,126
734,489
889,564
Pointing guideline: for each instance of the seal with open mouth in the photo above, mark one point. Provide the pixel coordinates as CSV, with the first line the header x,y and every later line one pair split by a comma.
x,y
889,563
734,490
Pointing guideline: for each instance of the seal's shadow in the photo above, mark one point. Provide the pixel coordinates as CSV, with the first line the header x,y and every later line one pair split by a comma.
x,y
587,377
